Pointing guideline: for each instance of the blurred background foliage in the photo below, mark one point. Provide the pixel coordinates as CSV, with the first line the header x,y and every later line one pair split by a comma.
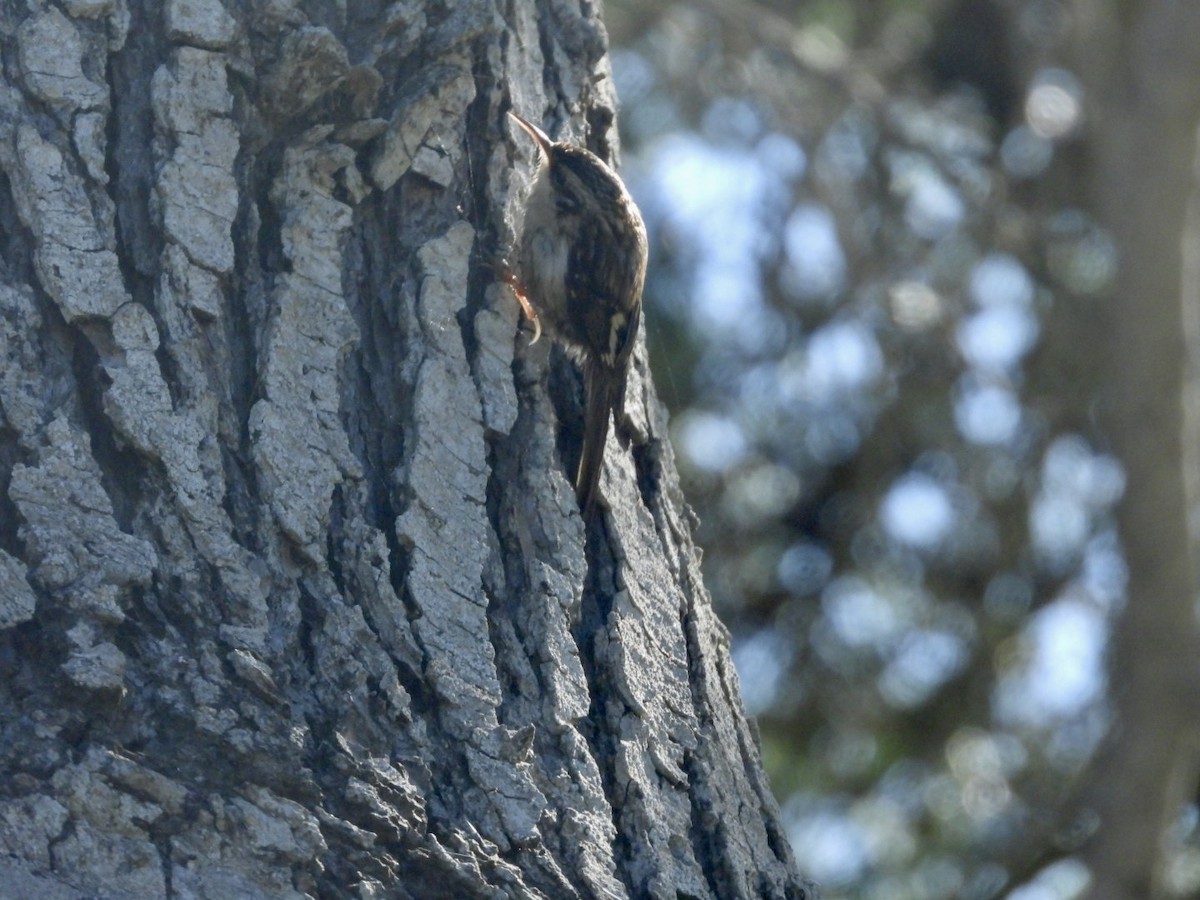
x,y
877,284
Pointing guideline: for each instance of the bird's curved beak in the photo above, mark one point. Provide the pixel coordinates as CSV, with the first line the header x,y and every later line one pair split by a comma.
x,y
542,139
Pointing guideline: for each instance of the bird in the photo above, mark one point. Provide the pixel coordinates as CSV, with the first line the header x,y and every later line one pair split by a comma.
x,y
581,267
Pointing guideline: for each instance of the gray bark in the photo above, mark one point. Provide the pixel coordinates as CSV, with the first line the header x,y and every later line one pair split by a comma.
x,y
1142,62
295,599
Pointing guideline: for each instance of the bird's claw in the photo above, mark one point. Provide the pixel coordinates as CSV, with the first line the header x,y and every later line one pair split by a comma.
x,y
510,278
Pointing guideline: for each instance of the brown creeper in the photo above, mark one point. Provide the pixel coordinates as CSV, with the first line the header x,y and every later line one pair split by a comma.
x,y
582,262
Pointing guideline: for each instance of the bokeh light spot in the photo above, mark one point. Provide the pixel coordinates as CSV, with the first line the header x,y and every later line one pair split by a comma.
x,y
917,511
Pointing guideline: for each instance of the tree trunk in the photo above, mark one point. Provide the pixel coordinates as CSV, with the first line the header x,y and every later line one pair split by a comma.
x,y
295,597
1145,81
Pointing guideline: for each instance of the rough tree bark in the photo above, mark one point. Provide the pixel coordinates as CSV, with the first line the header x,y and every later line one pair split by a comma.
x,y
295,599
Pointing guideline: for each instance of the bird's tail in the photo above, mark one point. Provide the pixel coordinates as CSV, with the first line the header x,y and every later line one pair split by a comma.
x,y
598,403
